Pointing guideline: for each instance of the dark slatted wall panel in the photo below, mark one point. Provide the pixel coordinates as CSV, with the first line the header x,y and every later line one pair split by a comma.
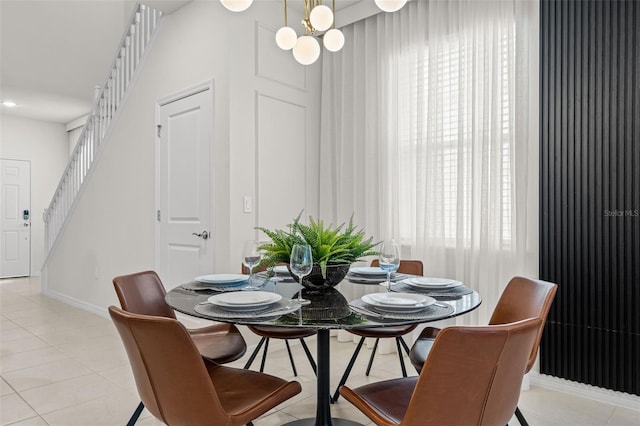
x,y
590,190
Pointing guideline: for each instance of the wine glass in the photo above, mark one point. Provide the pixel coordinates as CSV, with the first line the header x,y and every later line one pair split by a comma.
x,y
251,255
389,259
301,264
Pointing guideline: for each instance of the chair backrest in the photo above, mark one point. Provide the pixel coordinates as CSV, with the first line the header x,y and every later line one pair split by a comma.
x,y
525,298
473,375
171,377
413,267
143,293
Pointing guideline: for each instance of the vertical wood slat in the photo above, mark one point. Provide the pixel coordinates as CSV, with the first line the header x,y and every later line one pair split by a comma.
x,y
590,190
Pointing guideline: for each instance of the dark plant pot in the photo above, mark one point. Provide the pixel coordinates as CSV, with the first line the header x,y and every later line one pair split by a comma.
x,y
315,281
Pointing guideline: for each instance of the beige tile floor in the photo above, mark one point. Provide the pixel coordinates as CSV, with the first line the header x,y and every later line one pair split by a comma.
x,y
62,366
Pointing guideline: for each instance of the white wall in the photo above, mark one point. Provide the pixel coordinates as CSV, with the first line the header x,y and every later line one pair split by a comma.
x,y
111,232
45,145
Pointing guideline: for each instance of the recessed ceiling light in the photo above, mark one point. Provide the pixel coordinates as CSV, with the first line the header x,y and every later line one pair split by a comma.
x,y
9,104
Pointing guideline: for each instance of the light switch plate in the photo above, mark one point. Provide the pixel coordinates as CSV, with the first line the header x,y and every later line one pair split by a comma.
x,y
247,204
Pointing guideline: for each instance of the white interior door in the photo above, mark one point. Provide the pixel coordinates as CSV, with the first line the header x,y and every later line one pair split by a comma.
x,y
15,218
184,189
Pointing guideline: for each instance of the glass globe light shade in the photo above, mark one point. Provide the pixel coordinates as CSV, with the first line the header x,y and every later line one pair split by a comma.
x,y
307,50
333,40
236,5
321,17
390,5
286,38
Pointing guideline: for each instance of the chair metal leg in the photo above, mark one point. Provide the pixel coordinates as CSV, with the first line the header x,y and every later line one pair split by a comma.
x,y
373,354
254,353
345,376
521,418
264,355
309,357
402,367
404,345
293,364
134,417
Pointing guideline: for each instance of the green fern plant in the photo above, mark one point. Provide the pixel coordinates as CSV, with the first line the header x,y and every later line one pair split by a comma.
x,y
329,244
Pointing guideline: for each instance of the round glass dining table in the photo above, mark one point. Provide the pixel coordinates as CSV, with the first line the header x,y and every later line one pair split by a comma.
x,y
329,310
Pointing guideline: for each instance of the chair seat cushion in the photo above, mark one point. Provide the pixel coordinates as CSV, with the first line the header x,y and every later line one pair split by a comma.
x,y
221,343
282,332
382,332
390,397
246,394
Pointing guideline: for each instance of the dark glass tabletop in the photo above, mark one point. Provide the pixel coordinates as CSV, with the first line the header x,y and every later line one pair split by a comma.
x,y
329,309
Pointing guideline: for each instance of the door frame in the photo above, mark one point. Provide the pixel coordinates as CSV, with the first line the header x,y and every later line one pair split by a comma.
x,y
185,93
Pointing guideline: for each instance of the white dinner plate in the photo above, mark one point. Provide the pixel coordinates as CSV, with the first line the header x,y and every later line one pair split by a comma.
x,y
368,270
430,282
245,299
222,278
398,302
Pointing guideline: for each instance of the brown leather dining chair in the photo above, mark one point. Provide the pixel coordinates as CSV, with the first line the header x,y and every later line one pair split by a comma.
x,y
143,293
522,298
472,376
180,387
413,267
267,333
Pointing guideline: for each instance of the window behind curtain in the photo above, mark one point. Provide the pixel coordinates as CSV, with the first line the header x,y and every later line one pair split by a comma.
x,y
445,115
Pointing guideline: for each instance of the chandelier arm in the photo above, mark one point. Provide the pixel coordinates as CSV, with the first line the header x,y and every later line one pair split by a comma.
x,y
306,22
334,13
285,13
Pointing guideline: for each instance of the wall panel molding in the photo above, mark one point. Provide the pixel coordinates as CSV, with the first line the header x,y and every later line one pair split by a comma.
x,y
270,63
281,129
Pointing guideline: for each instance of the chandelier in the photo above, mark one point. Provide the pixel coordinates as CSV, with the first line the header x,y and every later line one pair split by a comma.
x,y
318,23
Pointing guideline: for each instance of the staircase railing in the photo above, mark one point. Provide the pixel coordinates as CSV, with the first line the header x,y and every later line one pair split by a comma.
x,y
140,30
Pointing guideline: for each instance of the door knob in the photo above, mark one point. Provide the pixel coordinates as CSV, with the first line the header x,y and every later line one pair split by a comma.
x,y
204,235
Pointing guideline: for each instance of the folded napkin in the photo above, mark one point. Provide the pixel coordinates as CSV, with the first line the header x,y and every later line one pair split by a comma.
x,y
438,294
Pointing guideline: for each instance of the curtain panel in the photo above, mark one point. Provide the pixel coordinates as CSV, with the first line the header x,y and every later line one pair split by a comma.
x,y
430,137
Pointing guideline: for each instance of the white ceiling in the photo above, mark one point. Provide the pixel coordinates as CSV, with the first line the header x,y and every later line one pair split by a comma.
x,y
54,52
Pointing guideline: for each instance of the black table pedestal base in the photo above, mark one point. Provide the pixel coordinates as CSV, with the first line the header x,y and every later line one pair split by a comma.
x,y
323,402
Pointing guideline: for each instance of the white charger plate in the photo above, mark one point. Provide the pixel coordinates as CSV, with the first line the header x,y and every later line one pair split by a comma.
x,y
398,302
431,282
222,278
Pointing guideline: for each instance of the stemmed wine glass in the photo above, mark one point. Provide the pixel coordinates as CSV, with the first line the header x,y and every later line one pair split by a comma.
x,y
251,255
389,259
301,264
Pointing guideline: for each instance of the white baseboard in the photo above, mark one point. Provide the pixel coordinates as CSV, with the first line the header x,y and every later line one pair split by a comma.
x,y
619,399
76,303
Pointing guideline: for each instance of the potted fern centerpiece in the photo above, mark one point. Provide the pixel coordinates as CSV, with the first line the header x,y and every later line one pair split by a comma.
x,y
333,248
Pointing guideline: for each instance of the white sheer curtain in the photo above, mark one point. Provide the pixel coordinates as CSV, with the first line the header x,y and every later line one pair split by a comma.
x,y
429,135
